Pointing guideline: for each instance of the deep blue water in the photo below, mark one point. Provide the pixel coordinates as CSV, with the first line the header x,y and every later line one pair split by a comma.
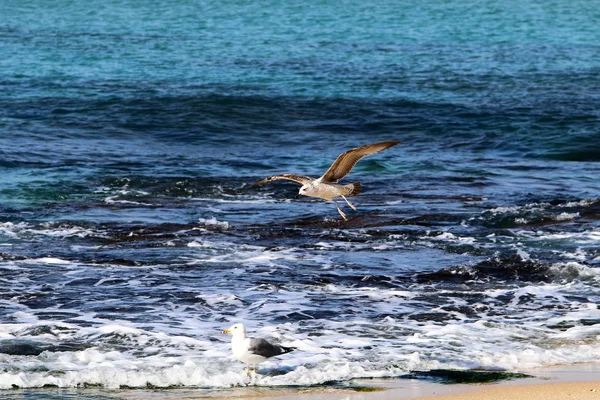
x,y
131,132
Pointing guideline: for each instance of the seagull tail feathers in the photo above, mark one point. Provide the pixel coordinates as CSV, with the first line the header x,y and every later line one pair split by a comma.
x,y
286,349
355,188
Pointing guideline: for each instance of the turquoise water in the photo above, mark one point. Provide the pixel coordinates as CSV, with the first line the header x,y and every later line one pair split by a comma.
x,y
130,235
439,51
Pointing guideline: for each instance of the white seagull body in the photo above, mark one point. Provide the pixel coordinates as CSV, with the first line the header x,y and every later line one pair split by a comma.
x,y
326,187
252,351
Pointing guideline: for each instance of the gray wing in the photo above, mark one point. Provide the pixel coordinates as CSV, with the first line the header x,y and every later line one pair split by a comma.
x,y
301,179
346,161
263,348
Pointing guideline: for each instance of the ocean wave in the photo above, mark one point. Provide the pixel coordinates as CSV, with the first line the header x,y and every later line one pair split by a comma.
x,y
115,356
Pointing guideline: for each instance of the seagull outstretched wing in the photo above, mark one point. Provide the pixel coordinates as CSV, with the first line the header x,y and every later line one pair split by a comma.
x,y
347,160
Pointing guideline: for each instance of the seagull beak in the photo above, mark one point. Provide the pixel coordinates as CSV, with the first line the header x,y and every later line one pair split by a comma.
x,y
226,331
298,195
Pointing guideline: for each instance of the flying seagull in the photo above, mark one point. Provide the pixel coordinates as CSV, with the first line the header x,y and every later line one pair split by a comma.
x,y
250,350
326,187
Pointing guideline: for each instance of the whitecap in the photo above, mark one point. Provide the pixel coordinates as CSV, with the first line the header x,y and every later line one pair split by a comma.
x,y
214,222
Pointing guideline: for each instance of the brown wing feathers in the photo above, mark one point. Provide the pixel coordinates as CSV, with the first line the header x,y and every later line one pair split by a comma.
x,y
340,167
346,161
301,179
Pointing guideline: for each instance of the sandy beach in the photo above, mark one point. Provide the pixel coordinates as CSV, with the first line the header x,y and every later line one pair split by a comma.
x,y
580,381
549,391
577,382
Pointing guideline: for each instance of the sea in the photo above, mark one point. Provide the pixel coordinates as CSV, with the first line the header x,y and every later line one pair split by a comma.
x,y
131,236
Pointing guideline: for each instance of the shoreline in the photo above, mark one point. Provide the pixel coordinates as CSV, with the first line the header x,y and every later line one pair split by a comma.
x,y
575,381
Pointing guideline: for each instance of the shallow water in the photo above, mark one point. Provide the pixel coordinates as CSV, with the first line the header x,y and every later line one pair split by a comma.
x,y
130,236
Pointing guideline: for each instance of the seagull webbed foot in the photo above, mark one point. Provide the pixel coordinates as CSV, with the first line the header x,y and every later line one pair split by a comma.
x,y
340,210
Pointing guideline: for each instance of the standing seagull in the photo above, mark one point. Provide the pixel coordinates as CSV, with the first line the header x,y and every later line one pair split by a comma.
x,y
326,187
252,351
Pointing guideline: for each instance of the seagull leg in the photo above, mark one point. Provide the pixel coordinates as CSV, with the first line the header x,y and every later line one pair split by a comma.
x,y
248,370
340,210
255,370
347,202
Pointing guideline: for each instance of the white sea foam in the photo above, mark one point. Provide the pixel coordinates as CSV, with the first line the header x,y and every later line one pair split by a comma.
x,y
503,210
347,320
575,270
214,222
24,229
246,200
341,352
10,229
523,255
453,238
221,252
48,260
116,195
116,200
584,237
538,206
580,203
193,354
525,213
566,216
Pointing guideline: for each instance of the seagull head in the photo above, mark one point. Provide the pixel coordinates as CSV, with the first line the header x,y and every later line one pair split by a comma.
x,y
236,330
302,191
